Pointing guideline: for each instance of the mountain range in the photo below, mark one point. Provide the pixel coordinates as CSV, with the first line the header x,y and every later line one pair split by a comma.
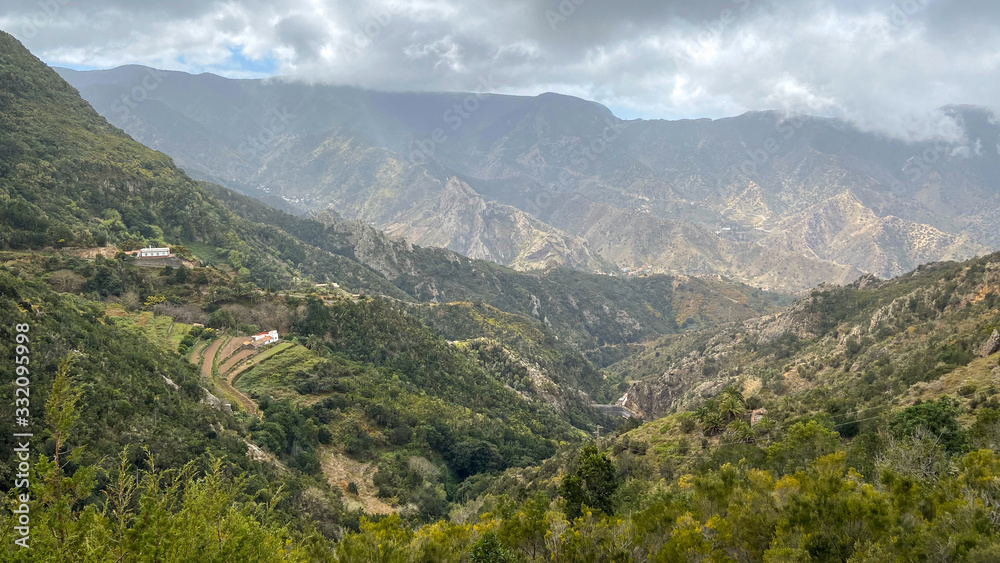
x,y
421,405
378,336
775,200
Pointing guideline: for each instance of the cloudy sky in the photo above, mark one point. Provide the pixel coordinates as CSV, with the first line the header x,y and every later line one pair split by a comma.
x,y
886,65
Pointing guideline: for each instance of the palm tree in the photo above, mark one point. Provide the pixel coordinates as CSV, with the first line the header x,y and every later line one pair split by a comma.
x,y
732,390
740,431
714,423
731,408
708,407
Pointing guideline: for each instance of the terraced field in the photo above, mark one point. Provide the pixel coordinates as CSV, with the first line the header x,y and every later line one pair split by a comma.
x,y
234,360
270,371
160,329
195,356
223,361
208,361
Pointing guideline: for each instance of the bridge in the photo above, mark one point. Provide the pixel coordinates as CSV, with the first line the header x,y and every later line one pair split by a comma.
x,y
616,410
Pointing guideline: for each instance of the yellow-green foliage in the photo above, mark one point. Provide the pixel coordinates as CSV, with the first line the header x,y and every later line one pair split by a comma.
x,y
825,511
272,369
159,329
153,515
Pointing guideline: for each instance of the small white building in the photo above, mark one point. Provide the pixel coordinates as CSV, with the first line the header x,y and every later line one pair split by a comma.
x,y
154,252
262,339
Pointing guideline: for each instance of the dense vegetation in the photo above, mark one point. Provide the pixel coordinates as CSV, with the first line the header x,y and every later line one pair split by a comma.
x,y
69,179
374,383
870,345
126,399
859,425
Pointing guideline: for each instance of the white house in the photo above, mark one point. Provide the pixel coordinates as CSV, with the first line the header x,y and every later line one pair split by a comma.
x,y
264,338
154,252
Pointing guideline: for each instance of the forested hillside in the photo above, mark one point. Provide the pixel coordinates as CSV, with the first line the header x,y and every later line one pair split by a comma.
x,y
71,180
864,345
363,407
861,425
419,405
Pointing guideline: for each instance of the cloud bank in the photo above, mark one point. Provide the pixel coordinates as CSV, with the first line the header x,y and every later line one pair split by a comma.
x,y
887,67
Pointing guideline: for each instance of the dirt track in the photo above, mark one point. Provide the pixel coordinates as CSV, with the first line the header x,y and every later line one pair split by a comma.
x,y
246,402
225,368
206,364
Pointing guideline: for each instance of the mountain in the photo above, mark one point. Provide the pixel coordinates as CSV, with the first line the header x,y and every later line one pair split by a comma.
x,y
71,179
870,344
772,200
432,407
330,165
412,373
132,389
859,425
589,310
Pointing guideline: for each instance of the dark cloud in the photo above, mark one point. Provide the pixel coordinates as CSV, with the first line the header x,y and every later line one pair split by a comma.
x,y
885,65
304,34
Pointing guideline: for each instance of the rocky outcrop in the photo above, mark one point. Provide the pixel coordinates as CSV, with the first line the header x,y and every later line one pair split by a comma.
x,y
216,403
835,335
991,346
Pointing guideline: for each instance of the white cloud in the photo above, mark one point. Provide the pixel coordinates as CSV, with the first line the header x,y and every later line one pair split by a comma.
x,y
853,59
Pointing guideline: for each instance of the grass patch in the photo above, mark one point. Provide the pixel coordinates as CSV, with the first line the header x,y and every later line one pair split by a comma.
x,y
207,253
274,371
159,329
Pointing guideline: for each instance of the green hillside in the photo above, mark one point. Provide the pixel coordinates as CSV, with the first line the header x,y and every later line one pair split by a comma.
x,y
861,425
868,345
590,310
438,408
69,179
358,379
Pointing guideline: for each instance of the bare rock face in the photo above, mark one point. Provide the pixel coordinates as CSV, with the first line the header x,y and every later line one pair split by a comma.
x,y
651,399
519,183
992,344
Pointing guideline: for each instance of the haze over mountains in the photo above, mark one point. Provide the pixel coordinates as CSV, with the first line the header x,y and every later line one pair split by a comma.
x,y
764,198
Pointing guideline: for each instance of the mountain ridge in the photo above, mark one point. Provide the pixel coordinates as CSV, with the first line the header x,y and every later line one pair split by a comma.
x,y
558,160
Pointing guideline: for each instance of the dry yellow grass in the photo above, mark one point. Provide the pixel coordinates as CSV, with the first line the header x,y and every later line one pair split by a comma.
x,y
341,470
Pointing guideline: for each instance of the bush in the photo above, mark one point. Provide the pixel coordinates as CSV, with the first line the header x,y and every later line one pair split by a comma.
x,y
488,549
356,440
938,417
221,318
688,423
324,435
